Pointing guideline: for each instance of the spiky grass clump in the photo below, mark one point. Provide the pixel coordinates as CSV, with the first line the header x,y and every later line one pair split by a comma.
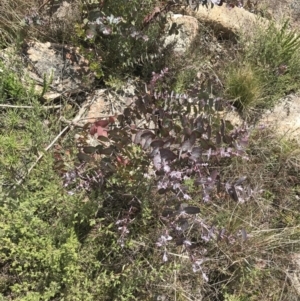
x,y
274,51
266,68
243,86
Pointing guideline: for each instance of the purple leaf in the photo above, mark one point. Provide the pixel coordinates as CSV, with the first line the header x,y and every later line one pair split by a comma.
x,y
146,139
84,158
157,143
199,124
106,151
154,152
176,175
240,181
187,131
138,136
167,212
188,144
167,154
232,192
89,149
212,179
141,106
184,119
168,142
191,210
222,127
208,129
206,145
146,142
196,153
147,134
182,225
193,137
227,139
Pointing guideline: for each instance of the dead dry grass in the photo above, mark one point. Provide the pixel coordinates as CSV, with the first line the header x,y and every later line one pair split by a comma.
x,y
47,20
279,10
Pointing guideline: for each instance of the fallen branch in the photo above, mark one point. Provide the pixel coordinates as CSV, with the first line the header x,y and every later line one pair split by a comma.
x,y
82,122
29,107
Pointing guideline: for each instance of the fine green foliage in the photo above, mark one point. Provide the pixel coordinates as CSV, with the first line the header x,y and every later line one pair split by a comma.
x,y
273,46
55,245
10,85
183,80
118,35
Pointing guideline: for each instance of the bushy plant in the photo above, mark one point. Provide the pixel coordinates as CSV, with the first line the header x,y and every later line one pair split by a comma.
x,y
185,150
178,158
119,35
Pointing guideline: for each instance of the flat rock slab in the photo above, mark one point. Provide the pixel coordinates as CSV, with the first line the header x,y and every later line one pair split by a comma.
x,y
285,117
61,65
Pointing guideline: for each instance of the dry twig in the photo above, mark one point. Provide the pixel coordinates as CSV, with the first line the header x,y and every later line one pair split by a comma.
x,y
73,122
29,107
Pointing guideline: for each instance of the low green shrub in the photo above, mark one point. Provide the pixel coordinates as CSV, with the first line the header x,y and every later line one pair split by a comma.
x,y
10,86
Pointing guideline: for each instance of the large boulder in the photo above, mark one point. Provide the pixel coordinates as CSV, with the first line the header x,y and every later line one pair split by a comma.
x,y
181,29
227,20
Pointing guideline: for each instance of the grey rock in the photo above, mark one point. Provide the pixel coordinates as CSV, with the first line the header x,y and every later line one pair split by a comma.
x,y
61,65
180,32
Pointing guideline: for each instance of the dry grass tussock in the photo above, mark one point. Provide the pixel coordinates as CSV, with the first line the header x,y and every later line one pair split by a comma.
x,y
12,12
